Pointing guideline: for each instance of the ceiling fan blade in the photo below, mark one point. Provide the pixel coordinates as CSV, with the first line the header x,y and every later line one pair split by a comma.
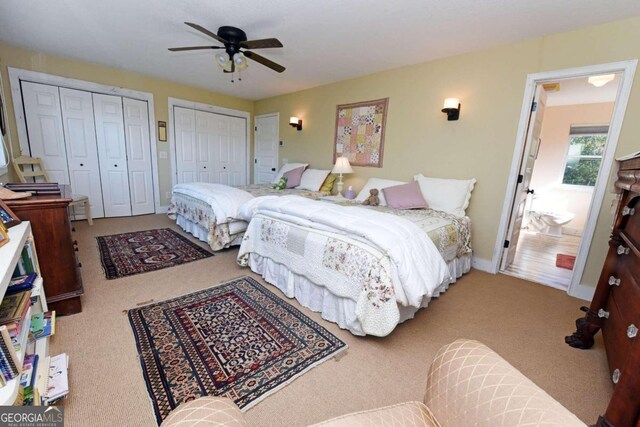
x,y
180,49
261,44
264,61
207,32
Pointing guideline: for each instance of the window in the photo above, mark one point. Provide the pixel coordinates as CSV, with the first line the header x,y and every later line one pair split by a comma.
x,y
586,147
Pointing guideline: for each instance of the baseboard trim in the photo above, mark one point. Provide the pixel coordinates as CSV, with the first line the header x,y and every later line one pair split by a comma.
x,y
482,264
162,209
583,292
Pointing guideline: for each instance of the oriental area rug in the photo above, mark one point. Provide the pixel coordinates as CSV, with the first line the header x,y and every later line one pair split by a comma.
x,y
236,340
143,251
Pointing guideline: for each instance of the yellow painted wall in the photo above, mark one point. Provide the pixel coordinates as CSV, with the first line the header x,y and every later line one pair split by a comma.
x,y
11,56
480,145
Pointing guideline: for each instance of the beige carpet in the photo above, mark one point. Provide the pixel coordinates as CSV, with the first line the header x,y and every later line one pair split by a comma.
x,y
524,322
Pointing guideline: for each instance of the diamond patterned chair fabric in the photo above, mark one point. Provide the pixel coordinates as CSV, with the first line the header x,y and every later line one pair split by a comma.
x,y
468,385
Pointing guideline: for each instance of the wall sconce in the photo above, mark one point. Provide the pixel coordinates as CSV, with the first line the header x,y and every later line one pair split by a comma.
x,y
452,108
293,121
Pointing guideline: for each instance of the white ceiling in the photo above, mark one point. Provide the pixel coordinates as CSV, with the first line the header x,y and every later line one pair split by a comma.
x,y
580,91
324,40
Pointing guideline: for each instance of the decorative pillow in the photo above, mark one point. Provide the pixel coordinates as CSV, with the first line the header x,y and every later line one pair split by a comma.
x,y
405,196
327,185
379,184
293,177
448,195
282,184
312,179
286,168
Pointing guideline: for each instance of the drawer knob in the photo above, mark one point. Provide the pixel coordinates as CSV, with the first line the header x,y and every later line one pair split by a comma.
x,y
613,281
602,313
632,331
628,211
616,376
623,250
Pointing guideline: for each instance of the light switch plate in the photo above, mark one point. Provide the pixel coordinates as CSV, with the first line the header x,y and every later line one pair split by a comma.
x,y
163,154
281,143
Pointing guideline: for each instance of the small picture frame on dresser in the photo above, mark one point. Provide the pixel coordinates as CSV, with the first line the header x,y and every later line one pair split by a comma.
x,y
4,236
7,217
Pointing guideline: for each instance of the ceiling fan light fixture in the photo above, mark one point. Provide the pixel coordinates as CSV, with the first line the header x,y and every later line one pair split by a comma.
x,y
240,60
222,59
599,81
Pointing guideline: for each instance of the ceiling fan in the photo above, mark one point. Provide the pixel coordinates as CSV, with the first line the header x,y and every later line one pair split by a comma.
x,y
234,39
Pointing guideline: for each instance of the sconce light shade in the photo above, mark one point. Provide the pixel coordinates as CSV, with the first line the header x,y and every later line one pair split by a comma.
x,y
452,108
295,122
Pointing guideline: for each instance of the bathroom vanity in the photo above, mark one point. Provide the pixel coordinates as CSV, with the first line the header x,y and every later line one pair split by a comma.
x,y
616,304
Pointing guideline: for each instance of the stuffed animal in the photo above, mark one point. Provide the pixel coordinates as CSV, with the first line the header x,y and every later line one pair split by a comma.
x,y
373,199
282,184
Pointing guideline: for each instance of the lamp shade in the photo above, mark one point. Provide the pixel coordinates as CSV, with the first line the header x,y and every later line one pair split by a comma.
x,y
451,103
223,61
240,61
293,120
342,166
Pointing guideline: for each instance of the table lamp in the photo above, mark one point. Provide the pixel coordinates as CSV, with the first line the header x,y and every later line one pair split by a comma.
x,y
342,166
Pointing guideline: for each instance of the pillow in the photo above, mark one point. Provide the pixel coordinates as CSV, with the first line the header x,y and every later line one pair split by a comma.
x,y
327,185
286,168
293,177
448,195
405,196
312,179
282,184
379,184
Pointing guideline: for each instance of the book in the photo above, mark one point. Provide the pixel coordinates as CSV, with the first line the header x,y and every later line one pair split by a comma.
x,y
15,328
41,381
12,307
22,338
9,363
29,370
57,385
21,283
43,324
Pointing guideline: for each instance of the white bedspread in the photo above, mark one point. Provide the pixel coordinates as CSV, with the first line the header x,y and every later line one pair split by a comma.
x,y
417,268
224,200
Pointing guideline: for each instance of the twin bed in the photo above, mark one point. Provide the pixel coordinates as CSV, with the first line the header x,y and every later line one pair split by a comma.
x,y
365,268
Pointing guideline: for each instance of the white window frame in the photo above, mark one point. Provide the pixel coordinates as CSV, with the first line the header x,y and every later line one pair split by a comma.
x,y
566,159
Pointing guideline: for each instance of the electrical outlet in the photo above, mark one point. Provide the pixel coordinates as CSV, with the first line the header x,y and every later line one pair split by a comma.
x,y
281,143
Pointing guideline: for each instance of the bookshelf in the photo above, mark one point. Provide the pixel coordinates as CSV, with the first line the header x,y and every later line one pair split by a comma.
x,y
10,254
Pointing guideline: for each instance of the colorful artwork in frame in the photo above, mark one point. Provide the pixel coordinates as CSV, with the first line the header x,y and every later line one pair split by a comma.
x,y
360,132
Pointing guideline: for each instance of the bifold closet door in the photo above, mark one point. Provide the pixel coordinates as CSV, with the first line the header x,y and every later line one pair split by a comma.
x,y
82,151
230,136
44,125
138,143
112,154
206,147
185,133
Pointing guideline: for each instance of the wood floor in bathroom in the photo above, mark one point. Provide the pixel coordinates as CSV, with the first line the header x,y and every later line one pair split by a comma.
x,y
536,258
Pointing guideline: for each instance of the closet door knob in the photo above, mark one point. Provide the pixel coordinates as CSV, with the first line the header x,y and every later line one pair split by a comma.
x,y
205,167
115,166
81,164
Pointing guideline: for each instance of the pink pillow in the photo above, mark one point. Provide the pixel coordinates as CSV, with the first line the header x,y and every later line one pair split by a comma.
x,y
405,196
294,176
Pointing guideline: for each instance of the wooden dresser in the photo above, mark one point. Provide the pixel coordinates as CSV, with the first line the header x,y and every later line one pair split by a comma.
x,y
49,217
616,304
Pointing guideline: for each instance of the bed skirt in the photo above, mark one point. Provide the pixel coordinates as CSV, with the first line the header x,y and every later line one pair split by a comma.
x,y
333,308
201,233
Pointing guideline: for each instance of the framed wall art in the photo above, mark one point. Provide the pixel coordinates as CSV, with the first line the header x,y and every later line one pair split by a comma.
x,y
360,131
7,217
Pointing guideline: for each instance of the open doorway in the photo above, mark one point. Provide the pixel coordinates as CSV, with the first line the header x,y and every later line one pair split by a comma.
x,y
562,161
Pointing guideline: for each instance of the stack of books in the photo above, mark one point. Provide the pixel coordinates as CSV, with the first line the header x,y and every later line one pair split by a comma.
x,y
53,383
43,324
10,366
28,390
15,312
21,283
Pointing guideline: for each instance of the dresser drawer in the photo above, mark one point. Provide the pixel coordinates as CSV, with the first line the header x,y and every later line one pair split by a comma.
x,y
630,224
625,286
614,331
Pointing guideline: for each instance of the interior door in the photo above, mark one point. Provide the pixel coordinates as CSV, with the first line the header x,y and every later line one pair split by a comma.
x,y
266,136
184,120
82,152
112,154
529,155
44,126
230,145
138,146
206,141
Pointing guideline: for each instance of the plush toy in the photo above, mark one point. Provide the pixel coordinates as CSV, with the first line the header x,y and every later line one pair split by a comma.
x,y
282,184
373,199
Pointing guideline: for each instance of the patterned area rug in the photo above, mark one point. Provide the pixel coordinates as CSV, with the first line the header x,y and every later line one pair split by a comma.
x,y
236,339
142,251
565,261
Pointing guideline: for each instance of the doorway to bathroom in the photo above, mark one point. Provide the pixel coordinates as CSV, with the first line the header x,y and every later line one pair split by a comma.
x,y
564,154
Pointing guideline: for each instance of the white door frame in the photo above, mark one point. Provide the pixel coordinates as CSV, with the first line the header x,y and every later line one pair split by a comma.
x,y
177,102
255,120
628,69
18,74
